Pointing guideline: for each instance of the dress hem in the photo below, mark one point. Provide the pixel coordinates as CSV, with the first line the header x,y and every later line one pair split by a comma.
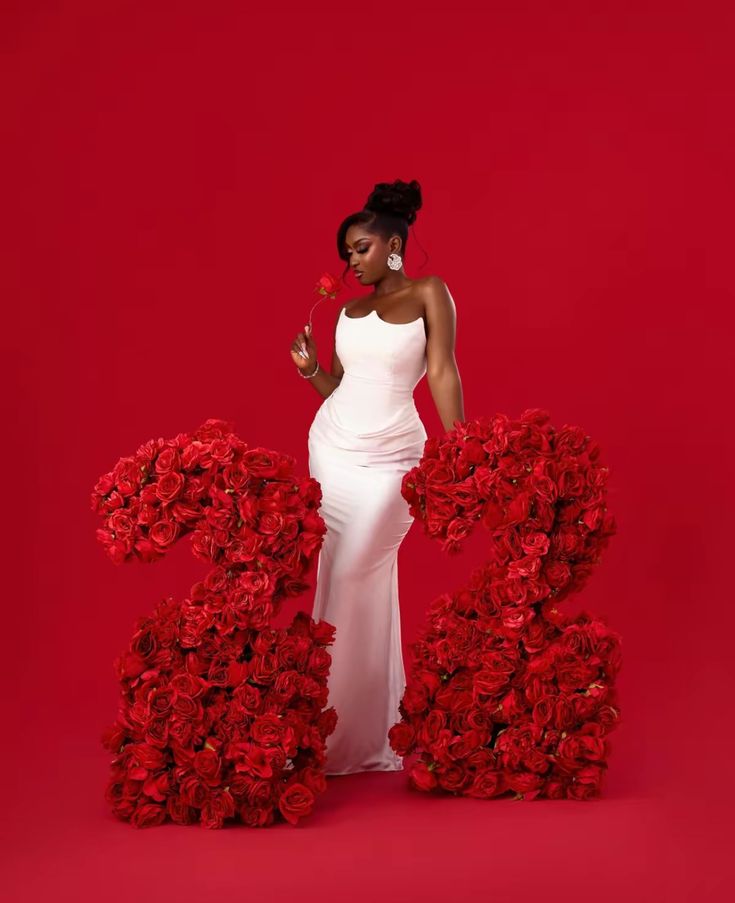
x,y
361,771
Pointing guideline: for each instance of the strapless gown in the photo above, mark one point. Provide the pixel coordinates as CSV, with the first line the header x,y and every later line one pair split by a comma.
x,y
364,437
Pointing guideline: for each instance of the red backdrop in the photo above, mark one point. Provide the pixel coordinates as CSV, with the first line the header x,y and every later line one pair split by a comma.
x,y
174,179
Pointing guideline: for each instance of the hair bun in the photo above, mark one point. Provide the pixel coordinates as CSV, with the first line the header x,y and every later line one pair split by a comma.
x,y
397,198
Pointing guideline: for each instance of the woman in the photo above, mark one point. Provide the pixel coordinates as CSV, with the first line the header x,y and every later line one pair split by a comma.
x,y
365,436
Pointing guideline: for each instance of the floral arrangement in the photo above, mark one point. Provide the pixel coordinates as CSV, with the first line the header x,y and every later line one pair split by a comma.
x,y
222,717
507,693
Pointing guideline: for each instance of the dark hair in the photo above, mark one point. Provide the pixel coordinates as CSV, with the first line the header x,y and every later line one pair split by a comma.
x,y
390,209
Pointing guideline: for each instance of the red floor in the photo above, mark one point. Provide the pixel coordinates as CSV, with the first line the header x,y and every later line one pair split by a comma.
x,y
369,839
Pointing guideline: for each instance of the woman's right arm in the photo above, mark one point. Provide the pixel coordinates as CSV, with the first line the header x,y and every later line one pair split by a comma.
x,y
324,382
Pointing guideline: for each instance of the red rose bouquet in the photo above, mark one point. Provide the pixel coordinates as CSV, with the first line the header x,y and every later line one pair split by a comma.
x,y
221,716
508,693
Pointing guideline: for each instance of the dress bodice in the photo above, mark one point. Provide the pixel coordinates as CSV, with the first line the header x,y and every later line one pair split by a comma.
x,y
383,362
371,348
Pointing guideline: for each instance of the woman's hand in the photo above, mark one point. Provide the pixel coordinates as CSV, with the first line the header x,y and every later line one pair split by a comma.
x,y
304,343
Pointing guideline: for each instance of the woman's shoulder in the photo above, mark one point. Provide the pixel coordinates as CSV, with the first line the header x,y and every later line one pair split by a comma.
x,y
432,281
425,286
436,296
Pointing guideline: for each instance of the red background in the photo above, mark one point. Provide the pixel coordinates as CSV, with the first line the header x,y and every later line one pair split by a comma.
x,y
174,178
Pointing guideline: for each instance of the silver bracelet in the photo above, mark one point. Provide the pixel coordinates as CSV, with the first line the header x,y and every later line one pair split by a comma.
x,y
312,375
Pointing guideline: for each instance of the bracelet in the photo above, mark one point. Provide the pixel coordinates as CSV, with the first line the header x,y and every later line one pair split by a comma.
x,y
316,370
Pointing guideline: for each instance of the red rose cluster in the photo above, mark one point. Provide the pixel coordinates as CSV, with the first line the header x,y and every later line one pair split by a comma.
x,y
507,693
221,716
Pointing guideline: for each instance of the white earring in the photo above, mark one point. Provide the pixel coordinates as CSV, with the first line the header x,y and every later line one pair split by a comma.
x,y
394,261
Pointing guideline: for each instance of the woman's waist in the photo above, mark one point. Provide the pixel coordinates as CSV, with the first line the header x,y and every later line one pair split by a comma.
x,y
372,415
373,407
375,390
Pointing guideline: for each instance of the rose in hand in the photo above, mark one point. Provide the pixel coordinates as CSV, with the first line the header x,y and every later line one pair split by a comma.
x,y
303,350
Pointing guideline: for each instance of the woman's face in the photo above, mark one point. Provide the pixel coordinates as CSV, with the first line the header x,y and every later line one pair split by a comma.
x,y
367,254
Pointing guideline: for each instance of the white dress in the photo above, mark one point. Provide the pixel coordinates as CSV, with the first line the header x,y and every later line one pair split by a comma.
x,y
365,436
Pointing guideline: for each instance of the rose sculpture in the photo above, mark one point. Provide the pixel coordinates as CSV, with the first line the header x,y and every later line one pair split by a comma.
x,y
507,693
222,716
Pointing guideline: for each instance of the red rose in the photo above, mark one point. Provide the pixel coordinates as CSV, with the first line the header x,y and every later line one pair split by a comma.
x,y
167,460
327,284
128,476
261,463
489,681
169,486
147,815
271,523
296,802
458,529
433,724
160,701
148,757
263,668
180,812
217,808
487,784
208,766
463,744
268,730
575,673
414,700
164,532
453,777
543,710
535,543
121,524
147,550
115,548
113,737
185,511
256,816
422,777
524,781
585,783
221,450
402,738
130,664
192,791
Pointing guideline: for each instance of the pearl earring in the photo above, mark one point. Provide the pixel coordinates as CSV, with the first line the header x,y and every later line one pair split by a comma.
x,y
394,261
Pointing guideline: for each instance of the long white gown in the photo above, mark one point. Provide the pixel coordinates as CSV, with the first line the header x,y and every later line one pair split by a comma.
x,y
364,437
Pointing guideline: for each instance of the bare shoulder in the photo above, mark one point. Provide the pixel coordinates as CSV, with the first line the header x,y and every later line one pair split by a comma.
x,y
436,295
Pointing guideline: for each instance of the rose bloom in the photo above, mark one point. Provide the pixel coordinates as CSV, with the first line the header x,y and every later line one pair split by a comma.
x,y
208,766
421,777
414,700
169,486
167,460
164,532
329,284
263,668
402,738
453,777
296,802
487,784
147,815
271,523
433,724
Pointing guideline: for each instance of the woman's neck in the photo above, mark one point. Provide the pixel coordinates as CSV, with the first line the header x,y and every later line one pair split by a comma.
x,y
388,285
